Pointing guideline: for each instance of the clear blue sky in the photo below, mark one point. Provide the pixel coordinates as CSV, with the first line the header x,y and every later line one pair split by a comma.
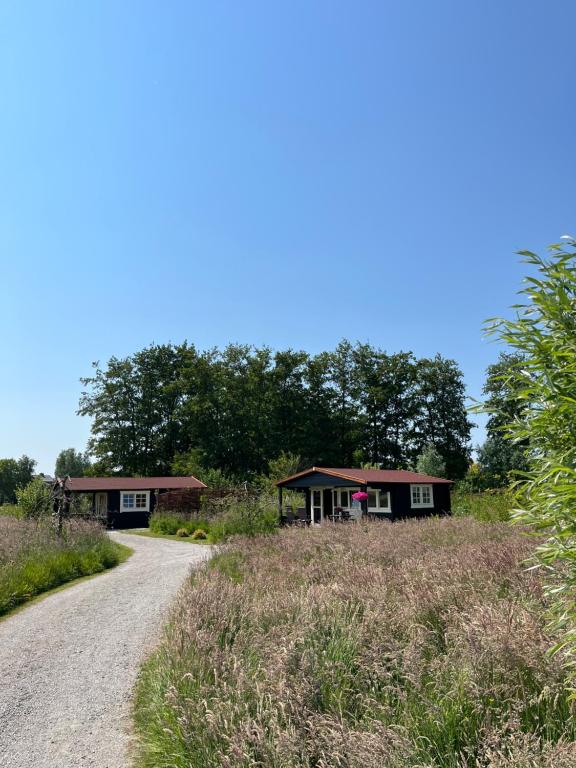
x,y
282,173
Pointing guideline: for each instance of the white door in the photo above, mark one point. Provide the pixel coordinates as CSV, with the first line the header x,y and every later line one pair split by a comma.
x,y
101,504
317,506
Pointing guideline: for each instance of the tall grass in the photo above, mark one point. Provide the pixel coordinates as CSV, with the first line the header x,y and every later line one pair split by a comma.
x,y
229,516
488,506
10,510
169,523
413,645
33,559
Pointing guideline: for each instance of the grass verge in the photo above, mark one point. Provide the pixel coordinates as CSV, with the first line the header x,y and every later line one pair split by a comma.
x,y
33,560
421,644
153,535
124,554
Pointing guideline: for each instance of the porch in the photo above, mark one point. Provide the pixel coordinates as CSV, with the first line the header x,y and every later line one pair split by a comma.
x,y
334,503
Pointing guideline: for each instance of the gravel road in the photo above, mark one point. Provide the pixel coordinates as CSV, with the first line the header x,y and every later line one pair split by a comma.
x,y
68,663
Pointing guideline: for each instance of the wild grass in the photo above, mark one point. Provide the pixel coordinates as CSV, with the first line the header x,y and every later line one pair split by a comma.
x,y
225,517
33,559
193,538
10,510
413,645
487,506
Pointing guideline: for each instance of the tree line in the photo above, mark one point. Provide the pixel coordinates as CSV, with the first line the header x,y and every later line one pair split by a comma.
x,y
170,408
14,474
18,474
247,414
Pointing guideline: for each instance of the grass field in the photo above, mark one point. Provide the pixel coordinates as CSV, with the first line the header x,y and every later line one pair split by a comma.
x,y
34,560
413,645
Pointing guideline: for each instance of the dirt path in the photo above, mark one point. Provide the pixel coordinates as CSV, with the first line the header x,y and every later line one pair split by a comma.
x,y
68,663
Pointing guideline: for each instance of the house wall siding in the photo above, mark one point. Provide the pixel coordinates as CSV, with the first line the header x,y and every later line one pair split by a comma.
x,y
118,519
400,495
402,500
136,519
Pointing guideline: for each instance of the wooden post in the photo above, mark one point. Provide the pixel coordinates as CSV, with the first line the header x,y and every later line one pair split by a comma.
x,y
364,504
61,497
280,489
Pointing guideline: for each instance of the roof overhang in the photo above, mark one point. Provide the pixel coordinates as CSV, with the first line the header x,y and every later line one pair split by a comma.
x,y
322,471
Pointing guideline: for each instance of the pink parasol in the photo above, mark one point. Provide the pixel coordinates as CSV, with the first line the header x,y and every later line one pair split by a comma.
x,y
359,496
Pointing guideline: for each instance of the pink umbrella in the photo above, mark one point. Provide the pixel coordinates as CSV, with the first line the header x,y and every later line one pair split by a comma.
x,y
359,496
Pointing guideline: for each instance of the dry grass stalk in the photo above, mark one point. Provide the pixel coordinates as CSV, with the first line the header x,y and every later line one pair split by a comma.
x,y
407,645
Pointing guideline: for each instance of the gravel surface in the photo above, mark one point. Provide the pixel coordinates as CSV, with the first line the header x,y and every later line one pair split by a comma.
x,y
68,663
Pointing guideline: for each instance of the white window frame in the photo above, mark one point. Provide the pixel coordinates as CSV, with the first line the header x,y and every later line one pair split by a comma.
x,y
124,508
419,488
379,506
337,496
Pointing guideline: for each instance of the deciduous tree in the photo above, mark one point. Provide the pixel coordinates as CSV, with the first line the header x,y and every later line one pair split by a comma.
x,y
71,462
441,413
430,462
14,474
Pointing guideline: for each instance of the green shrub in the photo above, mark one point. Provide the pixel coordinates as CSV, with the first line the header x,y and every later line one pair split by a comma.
x,y
170,523
35,499
486,506
167,523
543,383
244,516
199,533
231,516
182,533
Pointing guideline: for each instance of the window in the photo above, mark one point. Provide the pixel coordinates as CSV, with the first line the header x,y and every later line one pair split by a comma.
x,y
384,501
342,498
378,501
422,496
131,501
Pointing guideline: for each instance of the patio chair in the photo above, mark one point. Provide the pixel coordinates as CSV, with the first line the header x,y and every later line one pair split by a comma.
x,y
303,517
336,515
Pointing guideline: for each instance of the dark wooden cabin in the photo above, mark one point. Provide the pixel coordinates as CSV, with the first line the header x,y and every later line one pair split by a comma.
x,y
127,502
392,494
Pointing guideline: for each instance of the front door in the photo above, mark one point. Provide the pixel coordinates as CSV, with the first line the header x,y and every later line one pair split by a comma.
x,y
317,506
101,504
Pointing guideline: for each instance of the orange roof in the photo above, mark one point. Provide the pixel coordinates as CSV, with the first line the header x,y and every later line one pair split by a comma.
x,y
132,483
364,476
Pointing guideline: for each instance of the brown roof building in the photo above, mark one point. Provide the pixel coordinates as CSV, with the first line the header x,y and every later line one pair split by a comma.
x,y
386,494
128,502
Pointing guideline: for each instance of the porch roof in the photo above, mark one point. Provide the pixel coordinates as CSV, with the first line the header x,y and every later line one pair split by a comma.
x,y
364,476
